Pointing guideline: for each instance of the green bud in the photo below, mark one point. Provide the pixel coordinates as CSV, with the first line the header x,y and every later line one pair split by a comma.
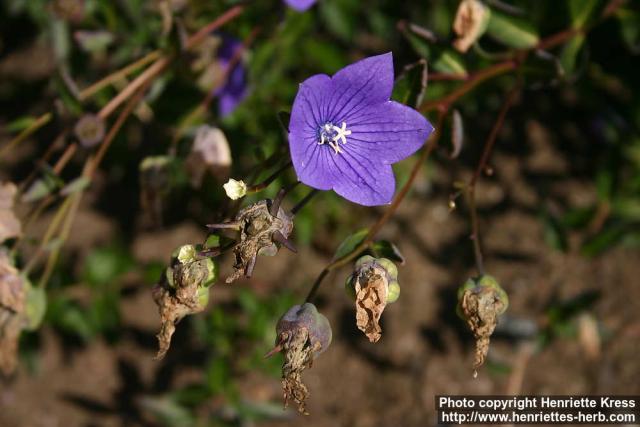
x,y
394,292
35,307
186,253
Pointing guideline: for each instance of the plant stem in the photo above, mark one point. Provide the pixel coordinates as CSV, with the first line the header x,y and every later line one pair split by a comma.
x,y
264,184
484,158
302,203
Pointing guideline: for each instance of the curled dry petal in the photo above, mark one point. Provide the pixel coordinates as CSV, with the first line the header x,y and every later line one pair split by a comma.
x,y
182,290
12,308
481,301
374,283
470,23
261,233
10,226
302,334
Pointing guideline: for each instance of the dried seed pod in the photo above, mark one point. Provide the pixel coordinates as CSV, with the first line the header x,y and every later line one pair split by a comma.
x,y
22,307
10,226
373,284
182,290
480,301
302,333
264,227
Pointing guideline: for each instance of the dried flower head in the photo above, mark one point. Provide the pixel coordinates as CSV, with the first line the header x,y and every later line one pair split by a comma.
x,y
182,290
89,130
480,301
373,284
470,23
156,179
264,227
345,133
22,307
10,226
301,334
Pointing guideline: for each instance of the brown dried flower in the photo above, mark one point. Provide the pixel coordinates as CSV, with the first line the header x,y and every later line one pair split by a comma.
x,y
9,224
264,227
374,283
470,23
302,334
22,307
480,302
182,290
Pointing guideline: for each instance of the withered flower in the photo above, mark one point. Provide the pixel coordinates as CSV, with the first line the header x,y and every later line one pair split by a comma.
x,y
156,179
301,334
264,227
480,301
470,23
9,224
182,290
373,284
22,307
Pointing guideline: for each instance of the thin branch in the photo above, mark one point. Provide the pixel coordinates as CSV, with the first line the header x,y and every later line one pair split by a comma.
x,y
484,158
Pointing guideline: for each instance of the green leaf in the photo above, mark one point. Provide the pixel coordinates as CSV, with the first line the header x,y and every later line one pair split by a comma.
x,y
20,124
386,249
167,411
450,62
554,234
36,306
511,31
629,28
410,86
581,11
569,55
604,240
350,243
75,186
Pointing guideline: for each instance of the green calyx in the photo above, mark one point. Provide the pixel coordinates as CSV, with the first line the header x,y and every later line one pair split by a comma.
x,y
384,264
481,284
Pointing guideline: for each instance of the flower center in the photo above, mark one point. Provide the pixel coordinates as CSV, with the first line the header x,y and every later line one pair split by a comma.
x,y
332,135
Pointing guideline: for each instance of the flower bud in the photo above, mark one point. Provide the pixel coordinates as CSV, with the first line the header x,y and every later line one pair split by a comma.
x,y
302,334
89,130
373,284
480,301
470,23
235,189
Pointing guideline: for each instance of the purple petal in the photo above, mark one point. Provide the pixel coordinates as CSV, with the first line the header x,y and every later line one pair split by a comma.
x,y
359,85
234,90
306,117
389,131
300,5
362,180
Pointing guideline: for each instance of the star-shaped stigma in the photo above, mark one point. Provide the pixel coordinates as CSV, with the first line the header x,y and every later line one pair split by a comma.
x,y
331,134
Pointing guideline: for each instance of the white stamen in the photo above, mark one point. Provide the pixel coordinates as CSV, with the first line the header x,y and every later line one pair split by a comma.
x,y
333,135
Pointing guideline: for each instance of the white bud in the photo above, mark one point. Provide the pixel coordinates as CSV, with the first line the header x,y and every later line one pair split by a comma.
x,y
235,189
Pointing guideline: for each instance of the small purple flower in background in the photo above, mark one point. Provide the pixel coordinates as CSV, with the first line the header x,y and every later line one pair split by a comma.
x,y
344,132
300,5
234,90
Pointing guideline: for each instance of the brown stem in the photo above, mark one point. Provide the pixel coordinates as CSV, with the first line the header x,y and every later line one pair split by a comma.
x,y
484,158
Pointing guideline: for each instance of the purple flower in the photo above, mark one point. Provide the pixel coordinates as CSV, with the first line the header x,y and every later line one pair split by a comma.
x,y
345,133
234,90
300,5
